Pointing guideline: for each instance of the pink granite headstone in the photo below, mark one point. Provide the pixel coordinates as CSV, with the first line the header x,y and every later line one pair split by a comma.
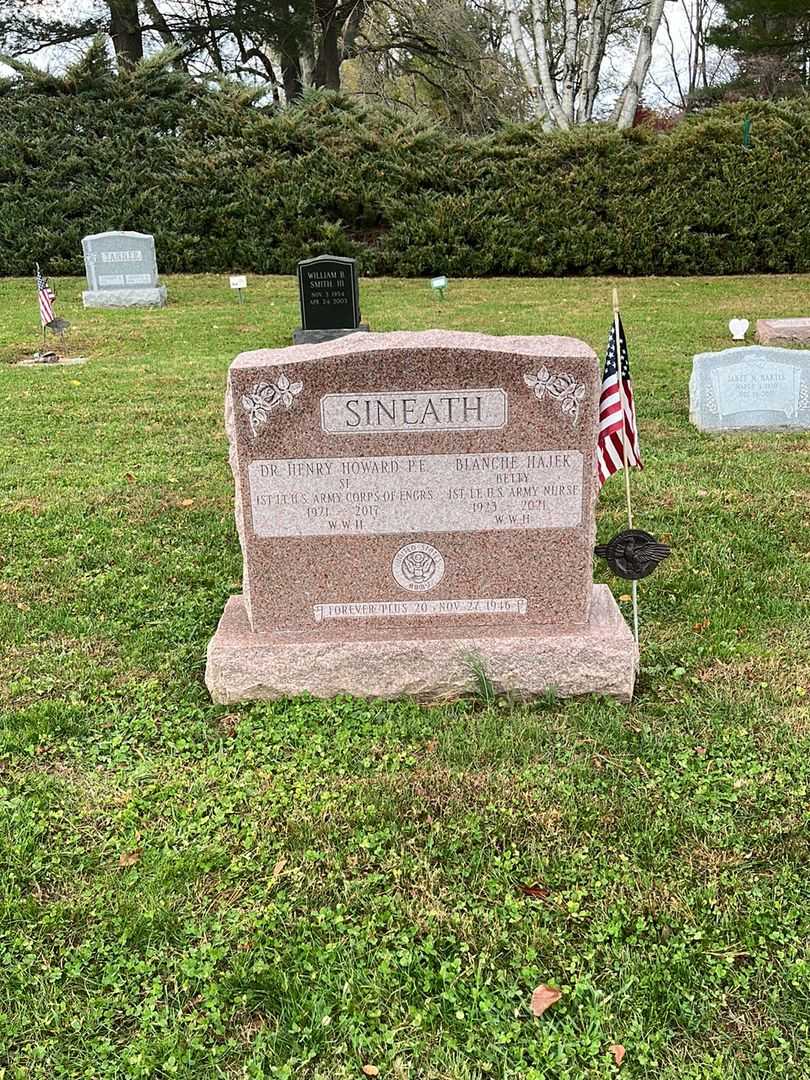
x,y
407,502
783,331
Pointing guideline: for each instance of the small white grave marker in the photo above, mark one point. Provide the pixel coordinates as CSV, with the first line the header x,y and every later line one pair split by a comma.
x,y
239,282
738,328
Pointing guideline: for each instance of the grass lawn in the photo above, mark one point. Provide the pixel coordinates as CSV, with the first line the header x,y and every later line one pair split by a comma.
x,y
302,889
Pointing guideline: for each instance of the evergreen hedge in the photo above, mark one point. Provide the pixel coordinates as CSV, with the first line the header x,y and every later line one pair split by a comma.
x,y
226,185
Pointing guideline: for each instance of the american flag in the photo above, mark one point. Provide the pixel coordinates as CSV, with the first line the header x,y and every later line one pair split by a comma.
x,y
46,298
612,431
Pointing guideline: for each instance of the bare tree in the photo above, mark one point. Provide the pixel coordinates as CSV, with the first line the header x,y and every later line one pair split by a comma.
x,y
289,44
624,111
442,58
690,63
560,48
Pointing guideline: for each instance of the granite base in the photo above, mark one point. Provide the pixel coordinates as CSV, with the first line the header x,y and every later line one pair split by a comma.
x,y
600,658
315,337
783,331
117,298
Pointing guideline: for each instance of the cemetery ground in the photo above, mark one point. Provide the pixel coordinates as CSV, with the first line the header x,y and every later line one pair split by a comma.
x,y
308,889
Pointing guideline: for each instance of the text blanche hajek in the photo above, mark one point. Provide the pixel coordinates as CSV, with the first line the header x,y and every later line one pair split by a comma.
x,y
418,410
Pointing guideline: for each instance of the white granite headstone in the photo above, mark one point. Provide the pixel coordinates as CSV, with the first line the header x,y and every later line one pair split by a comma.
x,y
750,388
121,271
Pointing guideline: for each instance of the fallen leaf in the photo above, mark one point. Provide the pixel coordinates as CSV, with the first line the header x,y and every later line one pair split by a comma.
x,y
130,479
543,997
228,724
371,1070
129,858
618,1052
698,626
278,869
700,751
186,502
625,598
536,891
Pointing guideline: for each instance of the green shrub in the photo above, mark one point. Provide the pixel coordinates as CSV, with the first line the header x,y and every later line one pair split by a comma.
x,y
225,184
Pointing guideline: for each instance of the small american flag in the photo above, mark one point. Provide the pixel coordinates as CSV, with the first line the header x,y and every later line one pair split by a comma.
x,y
613,432
46,298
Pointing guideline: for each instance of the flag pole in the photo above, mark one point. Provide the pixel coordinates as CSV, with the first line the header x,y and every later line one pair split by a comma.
x,y
634,584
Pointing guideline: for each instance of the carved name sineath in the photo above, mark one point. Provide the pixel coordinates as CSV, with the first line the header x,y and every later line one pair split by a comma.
x,y
522,489
434,410
371,609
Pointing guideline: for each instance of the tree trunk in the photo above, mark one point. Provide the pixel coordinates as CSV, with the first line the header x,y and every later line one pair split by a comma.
x,y
625,110
530,78
125,31
159,23
599,20
555,111
327,66
570,60
291,77
351,29
307,64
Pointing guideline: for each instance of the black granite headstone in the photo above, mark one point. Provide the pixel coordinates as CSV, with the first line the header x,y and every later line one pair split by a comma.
x,y
329,298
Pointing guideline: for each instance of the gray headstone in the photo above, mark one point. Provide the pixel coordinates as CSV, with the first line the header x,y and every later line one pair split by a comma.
x,y
756,387
121,271
329,297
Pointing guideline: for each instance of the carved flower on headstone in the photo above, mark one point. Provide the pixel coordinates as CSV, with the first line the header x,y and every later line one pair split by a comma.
x,y
563,387
539,382
570,396
259,402
288,390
